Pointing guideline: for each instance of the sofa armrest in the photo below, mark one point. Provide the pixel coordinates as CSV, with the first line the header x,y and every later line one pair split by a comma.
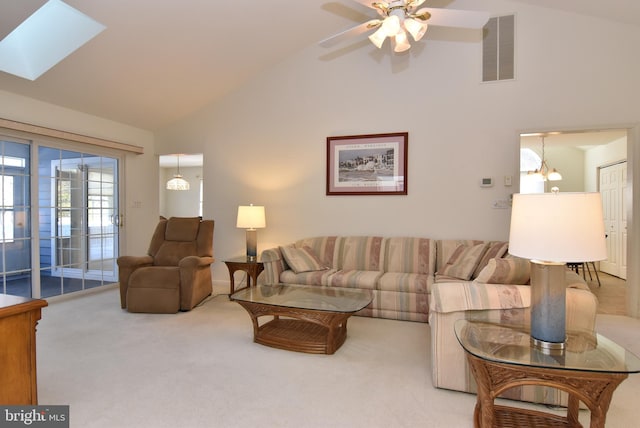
x,y
467,295
481,302
274,265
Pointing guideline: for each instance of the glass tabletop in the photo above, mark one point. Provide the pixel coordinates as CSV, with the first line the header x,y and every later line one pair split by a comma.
x,y
512,345
318,298
244,259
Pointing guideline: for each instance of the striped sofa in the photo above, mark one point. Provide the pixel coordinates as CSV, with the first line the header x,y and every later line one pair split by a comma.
x,y
398,271
428,280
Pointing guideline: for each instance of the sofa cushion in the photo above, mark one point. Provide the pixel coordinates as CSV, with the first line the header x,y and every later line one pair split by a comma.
x,y
318,277
302,259
405,282
510,270
360,253
324,247
463,261
410,255
446,247
496,250
355,279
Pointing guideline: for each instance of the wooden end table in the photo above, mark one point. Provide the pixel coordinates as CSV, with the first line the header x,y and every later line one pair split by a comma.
x,y
502,357
253,268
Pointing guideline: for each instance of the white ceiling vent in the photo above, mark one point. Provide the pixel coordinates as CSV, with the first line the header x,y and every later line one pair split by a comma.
x,y
498,46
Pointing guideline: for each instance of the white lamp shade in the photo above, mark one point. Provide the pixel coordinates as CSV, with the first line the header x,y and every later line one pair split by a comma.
x,y
391,25
401,42
558,227
378,37
178,183
415,28
251,217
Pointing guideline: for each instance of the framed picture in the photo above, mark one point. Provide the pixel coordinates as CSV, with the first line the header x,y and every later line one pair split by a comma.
x,y
373,164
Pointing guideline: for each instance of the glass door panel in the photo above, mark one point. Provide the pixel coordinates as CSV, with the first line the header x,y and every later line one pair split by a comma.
x,y
15,224
79,237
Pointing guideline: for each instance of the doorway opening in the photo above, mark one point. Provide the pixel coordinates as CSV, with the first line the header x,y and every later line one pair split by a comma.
x,y
181,203
589,161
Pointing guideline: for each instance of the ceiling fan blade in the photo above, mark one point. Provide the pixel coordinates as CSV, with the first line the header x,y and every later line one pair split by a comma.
x,y
378,5
455,18
349,33
414,3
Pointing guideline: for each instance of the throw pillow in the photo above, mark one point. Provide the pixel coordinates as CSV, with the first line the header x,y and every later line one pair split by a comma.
x,y
510,270
464,261
302,259
496,250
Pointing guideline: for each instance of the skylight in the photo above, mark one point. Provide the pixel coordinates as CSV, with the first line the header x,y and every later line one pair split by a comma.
x,y
44,39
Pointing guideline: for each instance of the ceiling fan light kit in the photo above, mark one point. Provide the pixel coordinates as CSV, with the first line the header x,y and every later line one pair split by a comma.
x,y
399,17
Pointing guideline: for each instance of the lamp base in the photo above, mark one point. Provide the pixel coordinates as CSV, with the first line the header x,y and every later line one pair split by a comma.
x,y
252,244
548,305
549,348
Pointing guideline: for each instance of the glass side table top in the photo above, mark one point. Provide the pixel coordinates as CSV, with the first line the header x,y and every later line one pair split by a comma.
x,y
508,344
244,259
306,297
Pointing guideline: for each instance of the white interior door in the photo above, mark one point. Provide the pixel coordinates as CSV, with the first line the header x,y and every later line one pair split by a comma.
x,y
612,186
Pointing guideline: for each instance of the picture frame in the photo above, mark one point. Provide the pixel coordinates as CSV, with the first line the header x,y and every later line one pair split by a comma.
x,y
373,164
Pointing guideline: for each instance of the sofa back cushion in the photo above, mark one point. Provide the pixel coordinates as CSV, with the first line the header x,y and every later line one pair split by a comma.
x,y
324,247
302,259
496,250
446,247
410,255
463,261
508,270
360,253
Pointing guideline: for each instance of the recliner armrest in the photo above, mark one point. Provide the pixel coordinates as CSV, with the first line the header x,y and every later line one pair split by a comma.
x,y
134,261
195,261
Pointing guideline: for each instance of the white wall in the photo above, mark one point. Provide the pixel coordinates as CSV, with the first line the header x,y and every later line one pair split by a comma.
x,y
265,143
141,171
570,162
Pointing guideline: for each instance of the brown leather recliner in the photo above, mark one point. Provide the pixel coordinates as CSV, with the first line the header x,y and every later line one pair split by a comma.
x,y
176,272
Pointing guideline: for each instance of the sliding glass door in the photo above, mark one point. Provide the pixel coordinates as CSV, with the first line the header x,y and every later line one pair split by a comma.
x,y
74,245
15,218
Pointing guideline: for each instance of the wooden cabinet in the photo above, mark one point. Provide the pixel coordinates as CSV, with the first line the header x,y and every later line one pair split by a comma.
x,y
18,319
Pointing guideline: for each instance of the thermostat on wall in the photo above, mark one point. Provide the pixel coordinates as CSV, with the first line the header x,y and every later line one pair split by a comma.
x,y
486,182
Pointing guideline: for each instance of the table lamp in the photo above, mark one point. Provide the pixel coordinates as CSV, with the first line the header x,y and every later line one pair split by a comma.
x,y
551,229
251,218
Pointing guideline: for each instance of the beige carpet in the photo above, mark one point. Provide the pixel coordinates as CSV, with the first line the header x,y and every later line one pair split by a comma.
x,y
201,369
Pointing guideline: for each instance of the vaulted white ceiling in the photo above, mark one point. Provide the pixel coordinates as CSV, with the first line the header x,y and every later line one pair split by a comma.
x,y
160,60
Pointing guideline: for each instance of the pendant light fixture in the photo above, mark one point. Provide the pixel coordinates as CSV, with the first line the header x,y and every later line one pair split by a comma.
x,y
544,173
177,182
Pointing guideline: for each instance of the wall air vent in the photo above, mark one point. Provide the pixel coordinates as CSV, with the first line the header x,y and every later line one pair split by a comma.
x,y
498,48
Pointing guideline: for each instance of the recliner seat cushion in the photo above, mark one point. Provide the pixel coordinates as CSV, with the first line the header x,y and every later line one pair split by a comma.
x,y
155,277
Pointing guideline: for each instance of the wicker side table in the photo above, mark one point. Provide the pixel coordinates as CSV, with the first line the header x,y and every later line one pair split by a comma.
x,y
501,357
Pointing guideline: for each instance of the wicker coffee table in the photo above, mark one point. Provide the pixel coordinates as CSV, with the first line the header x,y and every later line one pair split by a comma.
x,y
308,319
501,357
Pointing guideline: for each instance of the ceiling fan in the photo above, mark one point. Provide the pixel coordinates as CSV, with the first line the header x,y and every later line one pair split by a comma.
x,y
399,17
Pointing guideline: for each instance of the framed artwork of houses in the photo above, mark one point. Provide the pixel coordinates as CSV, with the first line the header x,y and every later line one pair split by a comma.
x,y
374,164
